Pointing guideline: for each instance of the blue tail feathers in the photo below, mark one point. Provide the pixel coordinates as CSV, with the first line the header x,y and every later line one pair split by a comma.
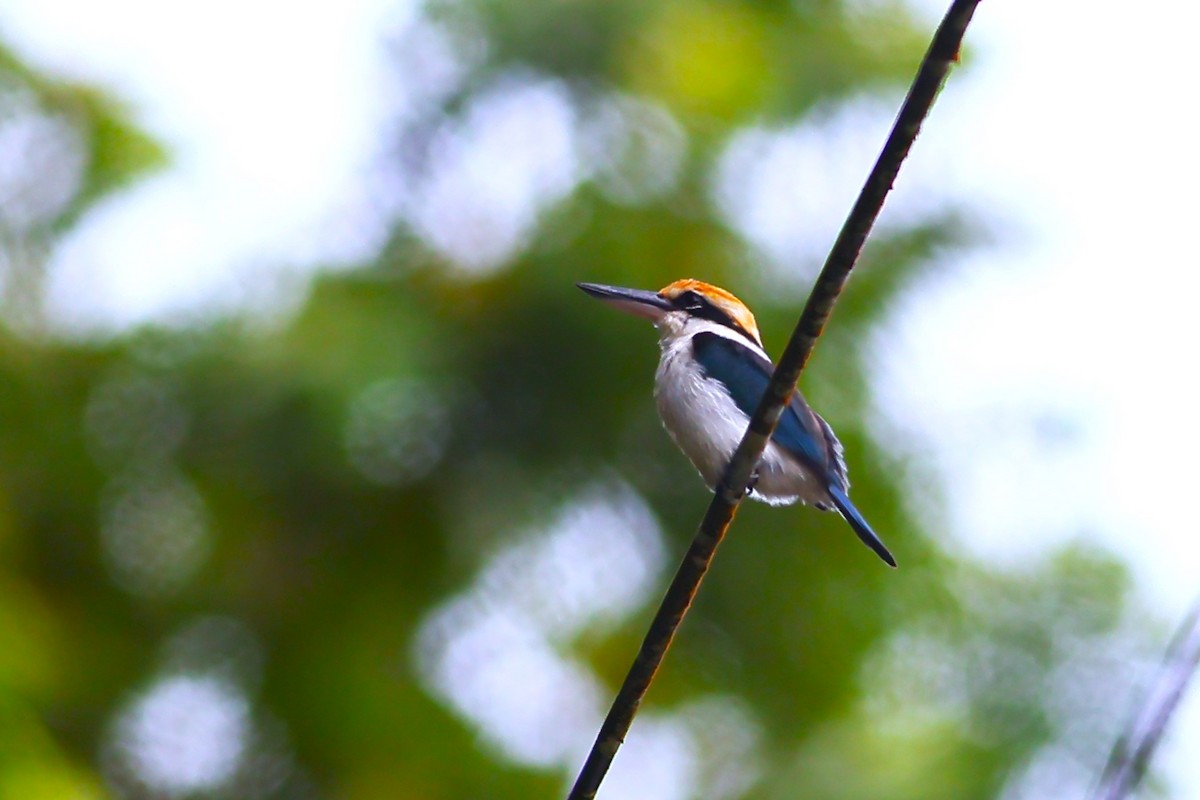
x,y
860,526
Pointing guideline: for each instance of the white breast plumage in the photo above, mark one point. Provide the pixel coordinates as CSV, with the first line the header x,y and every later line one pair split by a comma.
x,y
707,425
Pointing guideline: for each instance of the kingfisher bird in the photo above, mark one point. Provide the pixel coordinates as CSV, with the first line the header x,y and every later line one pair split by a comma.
x,y
711,376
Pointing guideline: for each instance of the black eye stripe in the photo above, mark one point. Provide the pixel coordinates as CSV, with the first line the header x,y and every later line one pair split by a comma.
x,y
699,306
706,311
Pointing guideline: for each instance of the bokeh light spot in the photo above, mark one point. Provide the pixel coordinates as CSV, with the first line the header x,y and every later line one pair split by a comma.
x,y
397,431
432,59
492,666
185,734
493,171
42,161
728,739
593,564
154,532
134,418
657,762
494,653
786,190
636,148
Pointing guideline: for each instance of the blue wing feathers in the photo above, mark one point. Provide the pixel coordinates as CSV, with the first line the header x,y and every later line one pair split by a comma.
x,y
837,456
746,373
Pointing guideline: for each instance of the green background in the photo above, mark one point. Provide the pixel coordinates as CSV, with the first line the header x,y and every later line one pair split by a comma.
x,y
409,535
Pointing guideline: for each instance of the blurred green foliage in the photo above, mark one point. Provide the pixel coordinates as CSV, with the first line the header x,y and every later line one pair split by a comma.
x,y
306,519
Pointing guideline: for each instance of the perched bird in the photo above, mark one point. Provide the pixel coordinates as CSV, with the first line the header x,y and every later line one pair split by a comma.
x,y
711,376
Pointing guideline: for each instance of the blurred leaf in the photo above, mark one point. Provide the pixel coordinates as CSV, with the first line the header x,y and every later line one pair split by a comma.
x,y
119,151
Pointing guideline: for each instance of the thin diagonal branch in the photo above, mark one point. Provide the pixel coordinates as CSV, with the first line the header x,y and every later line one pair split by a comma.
x,y
942,54
1132,752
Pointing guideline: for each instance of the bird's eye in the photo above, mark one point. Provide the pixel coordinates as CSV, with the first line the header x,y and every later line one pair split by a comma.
x,y
690,301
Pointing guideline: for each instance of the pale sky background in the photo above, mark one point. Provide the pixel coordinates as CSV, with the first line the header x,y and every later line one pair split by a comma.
x,y
1063,356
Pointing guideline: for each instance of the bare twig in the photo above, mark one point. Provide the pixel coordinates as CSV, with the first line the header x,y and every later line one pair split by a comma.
x,y
1131,754
942,54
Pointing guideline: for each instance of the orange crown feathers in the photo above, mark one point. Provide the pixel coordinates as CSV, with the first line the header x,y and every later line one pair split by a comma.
x,y
720,298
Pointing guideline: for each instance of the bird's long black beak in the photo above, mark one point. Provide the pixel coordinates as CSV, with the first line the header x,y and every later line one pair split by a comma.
x,y
638,302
